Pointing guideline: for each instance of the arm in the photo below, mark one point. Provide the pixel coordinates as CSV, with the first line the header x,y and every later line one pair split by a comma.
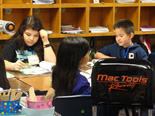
x,y
14,66
143,55
99,55
49,54
9,55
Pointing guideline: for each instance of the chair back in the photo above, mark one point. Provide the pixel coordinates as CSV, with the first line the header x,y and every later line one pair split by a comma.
x,y
123,82
74,105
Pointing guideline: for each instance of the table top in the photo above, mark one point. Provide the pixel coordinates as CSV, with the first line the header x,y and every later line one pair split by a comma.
x,y
39,82
17,84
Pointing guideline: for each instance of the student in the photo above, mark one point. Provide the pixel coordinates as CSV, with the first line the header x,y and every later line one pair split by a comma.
x,y
124,47
73,53
30,44
3,80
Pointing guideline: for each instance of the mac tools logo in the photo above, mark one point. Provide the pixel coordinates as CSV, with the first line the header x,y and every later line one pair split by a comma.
x,y
121,82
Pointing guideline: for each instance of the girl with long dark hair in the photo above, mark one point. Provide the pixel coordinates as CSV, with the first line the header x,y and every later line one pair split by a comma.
x,y
73,53
29,44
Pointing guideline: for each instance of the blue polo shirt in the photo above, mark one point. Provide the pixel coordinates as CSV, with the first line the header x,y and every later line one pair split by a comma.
x,y
114,50
82,86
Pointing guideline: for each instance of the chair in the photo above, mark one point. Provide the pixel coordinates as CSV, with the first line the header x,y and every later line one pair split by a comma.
x,y
74,105
127,82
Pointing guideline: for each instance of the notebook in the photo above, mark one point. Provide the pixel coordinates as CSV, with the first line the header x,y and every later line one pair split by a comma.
x,y
44,67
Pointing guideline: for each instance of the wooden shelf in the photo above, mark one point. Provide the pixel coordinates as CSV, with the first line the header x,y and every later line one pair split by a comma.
x,y
131,13
144,33
104,1
147,4
79,13
126,4
73,5
73,1
46,6
101,5
16,6
83,35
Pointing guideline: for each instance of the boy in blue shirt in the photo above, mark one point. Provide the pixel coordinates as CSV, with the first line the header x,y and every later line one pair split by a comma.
x,y
124,47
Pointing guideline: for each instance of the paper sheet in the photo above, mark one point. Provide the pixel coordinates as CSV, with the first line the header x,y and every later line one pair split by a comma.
x,y
45,67
9,75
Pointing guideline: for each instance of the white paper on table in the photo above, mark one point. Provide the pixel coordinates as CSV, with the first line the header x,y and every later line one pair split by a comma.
x,y
44,67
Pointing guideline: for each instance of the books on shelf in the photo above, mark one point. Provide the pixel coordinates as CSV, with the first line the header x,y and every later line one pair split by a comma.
x,y
125,1
44,67
66,27
147,28
69,29
74,31
96,1
43,1
147,1
98,29
63,26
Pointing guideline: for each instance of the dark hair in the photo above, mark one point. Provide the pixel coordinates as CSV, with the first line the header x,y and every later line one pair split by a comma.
x,y
126,24
34,23
3,80
70,52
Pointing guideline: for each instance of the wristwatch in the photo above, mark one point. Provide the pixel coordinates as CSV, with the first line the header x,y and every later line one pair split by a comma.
x,y
47,45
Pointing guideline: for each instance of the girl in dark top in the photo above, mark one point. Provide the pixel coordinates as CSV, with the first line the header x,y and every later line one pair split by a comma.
x,y
29,42
72,54
3,80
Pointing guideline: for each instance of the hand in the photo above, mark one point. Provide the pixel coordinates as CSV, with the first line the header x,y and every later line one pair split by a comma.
x,y
18,65
44,36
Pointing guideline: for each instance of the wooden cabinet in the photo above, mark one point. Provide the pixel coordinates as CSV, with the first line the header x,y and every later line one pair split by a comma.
x,y
128,12
79,13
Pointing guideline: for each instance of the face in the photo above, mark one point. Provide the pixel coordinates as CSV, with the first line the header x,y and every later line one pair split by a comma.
x,y
31,37
122,38
84,60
